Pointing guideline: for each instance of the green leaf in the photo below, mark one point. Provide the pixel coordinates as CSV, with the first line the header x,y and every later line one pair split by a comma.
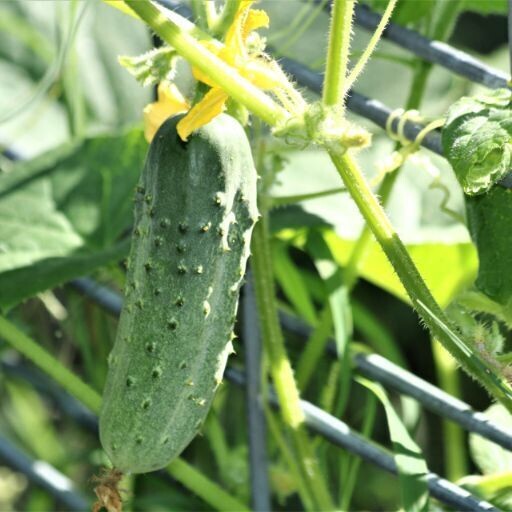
x,y
410,462
488,456
61,214
331,273
292,284
152,67
90,183
446,268
489,218
32,229
339,302
477,140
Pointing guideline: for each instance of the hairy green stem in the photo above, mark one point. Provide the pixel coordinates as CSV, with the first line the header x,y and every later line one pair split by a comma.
x,y
338,52
370,47
280,367
421,297
199,56
416,91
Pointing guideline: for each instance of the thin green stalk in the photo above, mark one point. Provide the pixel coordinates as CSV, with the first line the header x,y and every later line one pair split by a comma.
x,y
278,437
354,463
50,365
421,297
280,367
454,437
226,18
416,91
446,19
370,47
227,77
203,487
314,349
192,479
199,11
297,33
338,52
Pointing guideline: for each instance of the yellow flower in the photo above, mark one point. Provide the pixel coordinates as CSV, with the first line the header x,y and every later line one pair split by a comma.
x,y
234,52
170,102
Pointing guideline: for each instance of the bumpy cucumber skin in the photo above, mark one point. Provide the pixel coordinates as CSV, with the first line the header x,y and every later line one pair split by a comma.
x,y
489,224
194,213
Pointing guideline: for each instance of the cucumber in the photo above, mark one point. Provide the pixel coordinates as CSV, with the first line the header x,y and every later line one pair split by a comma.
x,y
195,208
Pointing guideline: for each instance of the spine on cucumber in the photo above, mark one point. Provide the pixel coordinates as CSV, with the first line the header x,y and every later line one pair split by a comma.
x,y
194,213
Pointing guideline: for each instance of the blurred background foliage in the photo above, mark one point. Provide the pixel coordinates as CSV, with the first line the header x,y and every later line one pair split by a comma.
x,y
73,115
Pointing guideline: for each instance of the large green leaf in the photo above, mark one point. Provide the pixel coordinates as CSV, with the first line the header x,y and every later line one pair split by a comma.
x,y
447,268
61,214
90,183
476,140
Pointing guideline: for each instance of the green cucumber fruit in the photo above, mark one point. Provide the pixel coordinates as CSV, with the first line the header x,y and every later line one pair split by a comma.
x,y
489,216
194,213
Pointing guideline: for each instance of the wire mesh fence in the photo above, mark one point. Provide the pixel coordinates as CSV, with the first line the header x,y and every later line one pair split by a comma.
x,y
372,366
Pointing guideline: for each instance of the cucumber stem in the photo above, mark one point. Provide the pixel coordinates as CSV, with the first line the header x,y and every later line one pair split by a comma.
x,y
280,367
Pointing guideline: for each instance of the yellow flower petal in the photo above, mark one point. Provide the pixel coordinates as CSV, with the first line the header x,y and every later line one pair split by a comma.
x,y
256,18
170,94
203,112
170,102
235,35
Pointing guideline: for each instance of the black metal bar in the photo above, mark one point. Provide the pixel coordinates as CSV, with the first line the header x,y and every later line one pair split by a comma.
x,y
260,492
43,475
436,52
